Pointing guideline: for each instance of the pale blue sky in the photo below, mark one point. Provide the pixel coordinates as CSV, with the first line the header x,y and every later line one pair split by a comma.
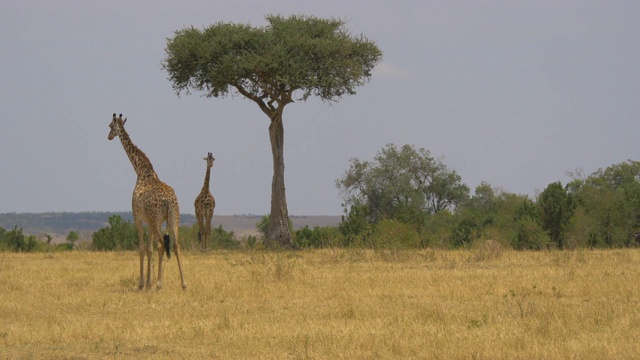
x,y
515,93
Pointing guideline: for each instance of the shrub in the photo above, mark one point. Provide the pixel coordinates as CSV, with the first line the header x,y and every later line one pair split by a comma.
x,y
219,238
15,240
223,239
487,250
119,235
530,235
355,226
393,234
188,237
263,226
437,232
318,237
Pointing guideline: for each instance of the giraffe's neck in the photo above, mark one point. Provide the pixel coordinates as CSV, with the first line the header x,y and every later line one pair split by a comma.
x,y
205,187
139,160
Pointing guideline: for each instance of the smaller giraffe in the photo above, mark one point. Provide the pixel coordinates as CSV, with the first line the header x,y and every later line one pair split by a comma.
x,y
205,204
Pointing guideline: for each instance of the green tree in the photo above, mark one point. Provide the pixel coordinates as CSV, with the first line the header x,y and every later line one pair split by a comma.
x,y
304,54
484,198
72,238
624,181
475,215
609,202
556,209
404,184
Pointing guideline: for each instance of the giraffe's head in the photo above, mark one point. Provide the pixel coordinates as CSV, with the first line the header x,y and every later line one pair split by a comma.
x,y
209,160
117,126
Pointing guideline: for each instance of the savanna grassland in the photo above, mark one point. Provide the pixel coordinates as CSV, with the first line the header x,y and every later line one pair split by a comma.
x,y
483,303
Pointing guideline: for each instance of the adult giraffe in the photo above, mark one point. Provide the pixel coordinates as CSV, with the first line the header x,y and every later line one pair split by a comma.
x,y
153,202
205,204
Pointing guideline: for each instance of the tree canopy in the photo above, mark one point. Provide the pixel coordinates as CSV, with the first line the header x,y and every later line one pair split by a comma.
x,y
268,64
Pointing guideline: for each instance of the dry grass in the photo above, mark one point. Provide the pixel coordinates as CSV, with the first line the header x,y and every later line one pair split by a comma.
x,y
328,304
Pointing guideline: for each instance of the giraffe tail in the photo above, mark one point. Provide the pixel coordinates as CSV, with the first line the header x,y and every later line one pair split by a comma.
x,y
167,245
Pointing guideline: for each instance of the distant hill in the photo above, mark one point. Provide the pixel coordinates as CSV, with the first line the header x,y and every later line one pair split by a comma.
x,y
60,224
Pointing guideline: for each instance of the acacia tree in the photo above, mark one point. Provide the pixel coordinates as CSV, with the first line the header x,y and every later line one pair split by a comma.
x,y
291,56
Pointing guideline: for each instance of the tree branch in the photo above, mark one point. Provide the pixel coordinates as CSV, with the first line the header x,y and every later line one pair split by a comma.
x,y
257,99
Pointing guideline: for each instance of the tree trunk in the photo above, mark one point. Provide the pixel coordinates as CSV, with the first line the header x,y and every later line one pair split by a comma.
x,y
278,230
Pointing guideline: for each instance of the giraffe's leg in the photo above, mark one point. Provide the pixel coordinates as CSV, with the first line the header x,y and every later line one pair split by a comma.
x,y
149,260
207,232
203,238
174,224
141,250
200,227
207,226
157,235
176,249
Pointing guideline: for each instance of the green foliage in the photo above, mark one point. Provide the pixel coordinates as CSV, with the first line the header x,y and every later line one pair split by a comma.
x,y
475,215
263,225
404,184
527,232
392,234
64,222
223,239
609,201
188,237
62,247
529,235
465,232
438,230
616,176
119,235
556,209
219,239
318,237
601,210
580,233
72,238
316,56
15,240
355,225
251,241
